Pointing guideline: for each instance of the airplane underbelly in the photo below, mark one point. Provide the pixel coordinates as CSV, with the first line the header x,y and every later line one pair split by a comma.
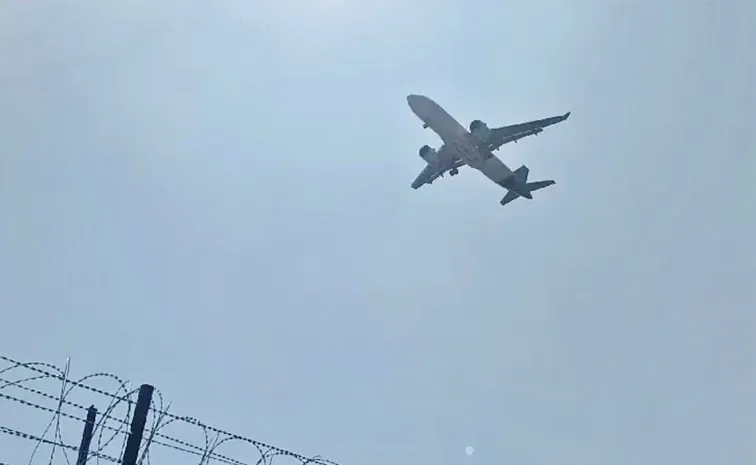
x,y
446,154
447,127
469,153
495,169
456,137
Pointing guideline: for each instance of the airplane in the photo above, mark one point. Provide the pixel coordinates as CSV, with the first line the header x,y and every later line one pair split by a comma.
x,y
475,148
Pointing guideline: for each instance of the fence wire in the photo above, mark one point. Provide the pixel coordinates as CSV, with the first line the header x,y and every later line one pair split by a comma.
x,y
43,411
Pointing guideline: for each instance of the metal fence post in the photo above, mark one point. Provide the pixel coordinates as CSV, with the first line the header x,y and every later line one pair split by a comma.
x,y
86,436
138,421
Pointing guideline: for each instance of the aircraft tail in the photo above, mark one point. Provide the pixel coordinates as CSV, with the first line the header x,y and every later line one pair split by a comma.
x,y
520,187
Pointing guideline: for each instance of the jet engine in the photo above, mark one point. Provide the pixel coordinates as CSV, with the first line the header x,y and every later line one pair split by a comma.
x,y
480,130
429,154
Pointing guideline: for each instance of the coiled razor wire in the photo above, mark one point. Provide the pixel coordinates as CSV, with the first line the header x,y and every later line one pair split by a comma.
x,y
29,385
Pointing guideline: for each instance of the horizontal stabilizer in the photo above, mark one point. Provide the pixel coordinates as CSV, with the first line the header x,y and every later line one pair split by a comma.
x,y
534,186
511,195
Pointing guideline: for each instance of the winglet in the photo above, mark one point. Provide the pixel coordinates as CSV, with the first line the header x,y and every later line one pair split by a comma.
x,y
567,115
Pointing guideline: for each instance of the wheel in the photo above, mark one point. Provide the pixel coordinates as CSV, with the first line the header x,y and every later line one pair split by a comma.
x,y
425,126
454,172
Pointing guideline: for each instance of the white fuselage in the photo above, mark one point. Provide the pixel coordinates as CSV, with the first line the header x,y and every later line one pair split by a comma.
x,y
457,139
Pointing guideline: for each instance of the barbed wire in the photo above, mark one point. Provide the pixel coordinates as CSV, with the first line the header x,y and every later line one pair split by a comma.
x,y
46,390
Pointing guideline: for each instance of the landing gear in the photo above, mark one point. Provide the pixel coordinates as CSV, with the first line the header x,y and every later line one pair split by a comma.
x,y
453,172
425,126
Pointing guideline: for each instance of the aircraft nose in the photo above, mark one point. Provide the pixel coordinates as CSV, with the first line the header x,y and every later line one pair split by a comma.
x,y
417,102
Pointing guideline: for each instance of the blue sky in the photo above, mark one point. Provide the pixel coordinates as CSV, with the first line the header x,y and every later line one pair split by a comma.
x,y
214,198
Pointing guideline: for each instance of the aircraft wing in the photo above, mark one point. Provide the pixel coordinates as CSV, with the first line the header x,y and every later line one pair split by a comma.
x,y
431,172
515,132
